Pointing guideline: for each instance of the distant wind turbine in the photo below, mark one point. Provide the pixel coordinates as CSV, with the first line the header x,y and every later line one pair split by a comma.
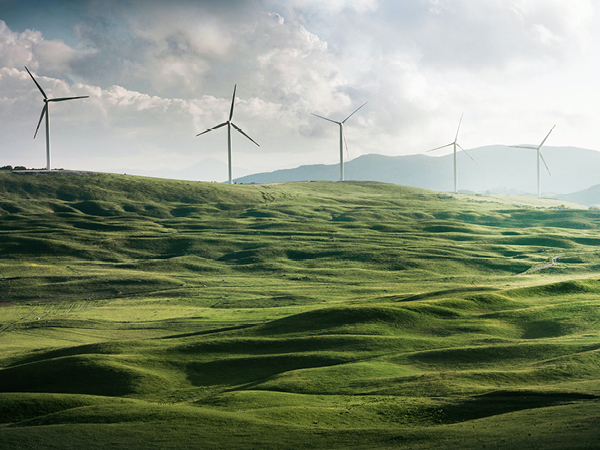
x,y
455,144
539,155
45,112
342,137
229,124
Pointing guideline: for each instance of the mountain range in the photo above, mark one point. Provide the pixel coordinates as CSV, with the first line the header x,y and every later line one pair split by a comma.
x,y
208,169
497,169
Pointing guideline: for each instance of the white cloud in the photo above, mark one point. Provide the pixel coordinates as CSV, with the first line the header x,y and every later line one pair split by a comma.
x,y
544,35
159,73
30,48
564,24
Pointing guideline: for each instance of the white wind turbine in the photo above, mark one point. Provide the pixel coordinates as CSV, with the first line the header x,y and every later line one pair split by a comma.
x,y
342,137
45,112
455,144
229,124
539,155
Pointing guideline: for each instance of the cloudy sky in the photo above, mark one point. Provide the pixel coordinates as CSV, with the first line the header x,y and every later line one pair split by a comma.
x,y
159,72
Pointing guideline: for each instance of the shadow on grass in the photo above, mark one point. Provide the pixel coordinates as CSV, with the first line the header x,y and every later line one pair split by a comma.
x,y
205,332
503,402
444,292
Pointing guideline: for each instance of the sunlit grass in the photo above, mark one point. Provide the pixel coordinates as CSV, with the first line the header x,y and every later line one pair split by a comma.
x,y
143,313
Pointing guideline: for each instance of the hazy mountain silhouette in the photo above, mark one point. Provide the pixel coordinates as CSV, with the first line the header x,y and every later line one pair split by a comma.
x,y
206,170
588,197
499,169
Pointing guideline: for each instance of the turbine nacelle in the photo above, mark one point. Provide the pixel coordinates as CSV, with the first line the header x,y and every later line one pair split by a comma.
x,y
540,156
229,124
455,144
46,114
342,137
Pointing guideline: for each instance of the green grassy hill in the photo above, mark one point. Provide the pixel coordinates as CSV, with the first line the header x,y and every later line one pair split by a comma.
x,y
146,313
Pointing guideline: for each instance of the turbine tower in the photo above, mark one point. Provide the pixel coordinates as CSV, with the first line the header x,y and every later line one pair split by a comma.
x,y
455,144
539,155
45,112
229,124
342,137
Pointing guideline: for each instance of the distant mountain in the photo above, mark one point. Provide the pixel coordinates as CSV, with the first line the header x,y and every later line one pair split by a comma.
x,y
588,197
498,169
206,170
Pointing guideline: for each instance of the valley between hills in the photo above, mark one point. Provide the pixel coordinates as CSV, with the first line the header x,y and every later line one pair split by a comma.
x,y
151,313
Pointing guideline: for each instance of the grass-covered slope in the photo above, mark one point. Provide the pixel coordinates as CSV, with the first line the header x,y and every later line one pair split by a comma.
x,y
144,313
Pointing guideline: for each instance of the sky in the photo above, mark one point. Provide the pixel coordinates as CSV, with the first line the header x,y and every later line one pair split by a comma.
x,y
157,73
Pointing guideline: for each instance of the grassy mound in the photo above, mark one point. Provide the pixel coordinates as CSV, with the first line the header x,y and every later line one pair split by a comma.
x,y
146,313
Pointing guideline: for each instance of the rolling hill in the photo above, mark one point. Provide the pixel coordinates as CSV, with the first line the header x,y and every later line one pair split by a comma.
x,y
162,314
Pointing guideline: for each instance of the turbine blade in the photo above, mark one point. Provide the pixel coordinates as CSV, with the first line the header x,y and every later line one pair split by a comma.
x,y
36,83
443,146
544,161
44,110
213,128
316,115
354,112
66,98
466,153
232,101
345,143
458,129
524,146
547,136
240,130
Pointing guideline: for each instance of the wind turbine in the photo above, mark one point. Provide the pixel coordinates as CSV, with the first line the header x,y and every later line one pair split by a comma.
x,y
455,144
229,124
342,137
539,155
45,112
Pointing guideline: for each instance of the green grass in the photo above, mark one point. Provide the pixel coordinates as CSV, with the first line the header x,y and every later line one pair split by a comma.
x,y
145,313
